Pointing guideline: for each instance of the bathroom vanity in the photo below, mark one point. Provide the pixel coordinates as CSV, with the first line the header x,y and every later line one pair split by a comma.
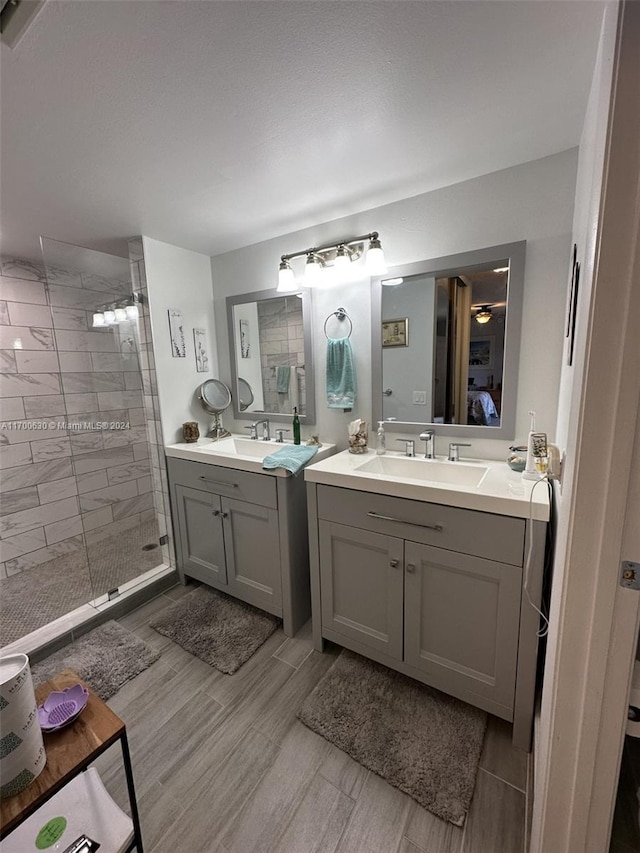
x,y
421,565
239,528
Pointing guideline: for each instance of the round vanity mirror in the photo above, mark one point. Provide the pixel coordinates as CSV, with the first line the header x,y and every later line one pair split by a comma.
x,y
245,395
214,396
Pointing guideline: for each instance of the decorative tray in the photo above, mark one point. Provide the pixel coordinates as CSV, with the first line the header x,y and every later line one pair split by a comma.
x,y
62,707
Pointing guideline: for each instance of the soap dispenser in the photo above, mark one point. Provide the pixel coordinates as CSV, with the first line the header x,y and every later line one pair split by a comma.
x,y
381,439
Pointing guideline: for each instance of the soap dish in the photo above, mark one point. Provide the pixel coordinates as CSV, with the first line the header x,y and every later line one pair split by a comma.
x,y
62,707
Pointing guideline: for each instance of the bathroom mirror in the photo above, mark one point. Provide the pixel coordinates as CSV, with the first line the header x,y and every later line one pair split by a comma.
x,y
271,355
214,396
446,343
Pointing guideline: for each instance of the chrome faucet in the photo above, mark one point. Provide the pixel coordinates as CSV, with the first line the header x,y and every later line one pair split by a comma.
x,y
266,435
454,455
280,435
429,436
410,446
254,431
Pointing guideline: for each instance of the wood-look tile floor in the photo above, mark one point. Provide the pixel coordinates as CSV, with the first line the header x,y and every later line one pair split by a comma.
x,y
222,765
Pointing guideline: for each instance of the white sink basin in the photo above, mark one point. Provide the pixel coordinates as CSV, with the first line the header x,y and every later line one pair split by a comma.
x,y
426,470
248,447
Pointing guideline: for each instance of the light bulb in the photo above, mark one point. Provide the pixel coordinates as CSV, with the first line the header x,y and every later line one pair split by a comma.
x,y
109,318
312,271
121,315
132,312
375,262
98,319
391,282
484,315
343,259
286,278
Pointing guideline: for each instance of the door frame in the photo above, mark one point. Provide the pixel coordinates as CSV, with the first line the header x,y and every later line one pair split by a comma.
x,y
594,622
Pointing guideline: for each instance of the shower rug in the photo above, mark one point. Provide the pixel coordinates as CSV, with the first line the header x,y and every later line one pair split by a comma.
x,y
420,740
106,658
216,628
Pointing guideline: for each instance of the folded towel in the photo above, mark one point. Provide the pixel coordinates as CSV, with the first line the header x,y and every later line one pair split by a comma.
x,y
283,373
341,374
293,457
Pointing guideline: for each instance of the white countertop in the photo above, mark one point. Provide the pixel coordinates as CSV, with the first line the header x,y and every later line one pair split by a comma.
x,y
501,490
237,451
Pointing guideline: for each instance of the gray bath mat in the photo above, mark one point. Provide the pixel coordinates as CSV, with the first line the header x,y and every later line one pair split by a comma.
x,y
106,658
216,628
421,741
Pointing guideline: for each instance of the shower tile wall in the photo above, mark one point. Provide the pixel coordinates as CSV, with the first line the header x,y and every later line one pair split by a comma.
x,y
281,343
151,403
60,483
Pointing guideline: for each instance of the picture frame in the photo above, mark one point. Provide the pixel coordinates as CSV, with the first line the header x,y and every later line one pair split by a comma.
x,y
201,350
176,333
245,339
481,351
395,332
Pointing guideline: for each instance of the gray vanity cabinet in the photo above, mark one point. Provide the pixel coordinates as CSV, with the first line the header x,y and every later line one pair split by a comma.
x,y
433,591
245,534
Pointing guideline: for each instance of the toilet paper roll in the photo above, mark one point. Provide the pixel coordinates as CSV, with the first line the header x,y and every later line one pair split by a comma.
x,y
633,723
22,755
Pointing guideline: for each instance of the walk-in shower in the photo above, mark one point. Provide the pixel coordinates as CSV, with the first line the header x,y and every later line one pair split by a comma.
x,y
83,508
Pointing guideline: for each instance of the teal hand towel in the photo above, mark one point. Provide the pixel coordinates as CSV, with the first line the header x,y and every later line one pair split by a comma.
x,y
293,457
283,374
341,374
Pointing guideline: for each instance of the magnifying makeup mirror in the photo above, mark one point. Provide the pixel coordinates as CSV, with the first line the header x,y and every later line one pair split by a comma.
x,y
245,394
214,397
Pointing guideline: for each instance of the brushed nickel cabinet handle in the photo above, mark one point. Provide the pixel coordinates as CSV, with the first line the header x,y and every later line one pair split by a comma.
x,y
394,563
219,483
216,512
224,514
411,568
436,527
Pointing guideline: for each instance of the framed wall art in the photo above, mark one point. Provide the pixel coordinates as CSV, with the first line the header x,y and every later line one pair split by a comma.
x,y
395,333
176,331
201,349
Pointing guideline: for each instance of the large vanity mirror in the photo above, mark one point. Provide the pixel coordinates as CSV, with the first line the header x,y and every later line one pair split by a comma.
x,y
271,354
446,343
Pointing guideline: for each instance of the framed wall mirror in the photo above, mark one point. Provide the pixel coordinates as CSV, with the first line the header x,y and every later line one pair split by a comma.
x,y
271,354
459,366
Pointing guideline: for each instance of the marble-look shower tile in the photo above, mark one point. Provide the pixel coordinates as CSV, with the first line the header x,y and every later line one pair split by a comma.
x,y
77,403
137,417
29,384
107,496
86,442
18,499
33,475
47,406
22,269
72,341
141,450
132,381
123,473
28,519
133,505
114,361
124,437
106,285
43,555
85,383
61,530
8,361
73,319
57,489
14,455
144,485
23,543
105,531
29,361
75,362
12,409
92,481
71,297
4,311
96,518
67,278
89,462
26,314
26,337
19,290
42,429
53,448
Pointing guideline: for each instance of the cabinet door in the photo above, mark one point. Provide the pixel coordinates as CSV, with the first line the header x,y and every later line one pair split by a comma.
x,y
252,545
461,621
361,581
201,537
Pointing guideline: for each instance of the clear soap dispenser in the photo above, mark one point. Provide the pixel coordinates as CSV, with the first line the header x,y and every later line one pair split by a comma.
x,y
381,439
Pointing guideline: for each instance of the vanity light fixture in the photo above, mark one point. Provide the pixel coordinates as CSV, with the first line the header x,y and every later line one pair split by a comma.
x,y
117,312
98,319
502,269
109,317
392,282
484,314
332,260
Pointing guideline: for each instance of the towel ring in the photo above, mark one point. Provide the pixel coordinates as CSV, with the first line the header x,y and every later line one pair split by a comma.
x,y
341,315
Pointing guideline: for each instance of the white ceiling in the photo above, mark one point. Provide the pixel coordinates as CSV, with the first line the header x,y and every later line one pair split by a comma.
x,y
214,125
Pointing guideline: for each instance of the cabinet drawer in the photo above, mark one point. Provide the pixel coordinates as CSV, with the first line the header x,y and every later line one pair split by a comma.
x,y
242,485
482,534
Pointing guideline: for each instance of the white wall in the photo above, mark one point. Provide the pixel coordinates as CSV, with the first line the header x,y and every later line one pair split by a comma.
x,y
250,368
179,278
532,202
